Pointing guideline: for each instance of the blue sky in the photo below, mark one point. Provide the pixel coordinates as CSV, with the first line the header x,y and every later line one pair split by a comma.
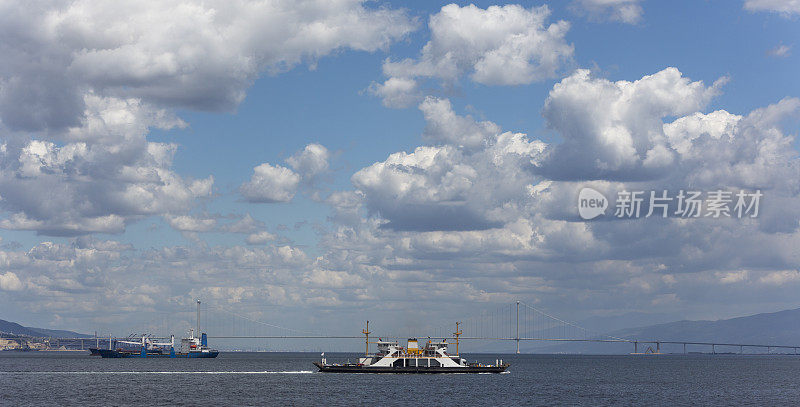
x,y
325,89
330,103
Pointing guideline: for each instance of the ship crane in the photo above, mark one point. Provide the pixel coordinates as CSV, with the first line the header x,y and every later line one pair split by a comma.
x,y
148,343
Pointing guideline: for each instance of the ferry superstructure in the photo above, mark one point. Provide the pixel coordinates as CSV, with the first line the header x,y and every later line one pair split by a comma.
x,y
393,358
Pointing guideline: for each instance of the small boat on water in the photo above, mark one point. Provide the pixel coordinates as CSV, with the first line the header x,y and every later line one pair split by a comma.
x,y
393,358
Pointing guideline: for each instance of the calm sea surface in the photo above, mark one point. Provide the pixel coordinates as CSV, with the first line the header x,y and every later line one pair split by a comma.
x,y
234,379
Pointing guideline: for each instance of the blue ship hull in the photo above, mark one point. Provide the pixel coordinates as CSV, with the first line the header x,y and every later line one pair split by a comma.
x,y
109,353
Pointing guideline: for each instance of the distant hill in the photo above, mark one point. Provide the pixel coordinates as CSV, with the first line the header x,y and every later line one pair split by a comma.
x,y
775,328
624,321
17,329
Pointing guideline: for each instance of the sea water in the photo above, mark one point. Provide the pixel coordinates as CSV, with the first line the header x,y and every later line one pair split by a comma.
x,y
236,379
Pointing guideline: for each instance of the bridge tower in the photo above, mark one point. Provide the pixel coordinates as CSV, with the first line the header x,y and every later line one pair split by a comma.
x,y
517,336
198,316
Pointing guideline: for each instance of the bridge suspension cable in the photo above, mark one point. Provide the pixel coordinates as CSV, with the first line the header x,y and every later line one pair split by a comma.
x,y
518,321
266,324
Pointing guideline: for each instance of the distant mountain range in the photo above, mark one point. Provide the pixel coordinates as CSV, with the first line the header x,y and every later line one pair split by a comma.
x,y
775,328
17,329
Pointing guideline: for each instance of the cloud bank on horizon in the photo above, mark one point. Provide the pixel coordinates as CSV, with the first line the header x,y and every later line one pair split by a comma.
x,y
472,214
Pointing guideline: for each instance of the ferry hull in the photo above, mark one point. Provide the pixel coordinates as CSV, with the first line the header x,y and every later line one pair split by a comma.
x,y
408,369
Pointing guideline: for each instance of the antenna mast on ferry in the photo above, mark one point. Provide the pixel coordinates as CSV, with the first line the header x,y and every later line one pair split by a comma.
x,y
457,333
366,332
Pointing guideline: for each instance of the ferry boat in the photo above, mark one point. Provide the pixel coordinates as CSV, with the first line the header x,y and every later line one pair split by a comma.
x,y
393,358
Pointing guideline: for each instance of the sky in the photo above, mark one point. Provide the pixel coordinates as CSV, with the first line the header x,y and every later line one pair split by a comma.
x,y
319,163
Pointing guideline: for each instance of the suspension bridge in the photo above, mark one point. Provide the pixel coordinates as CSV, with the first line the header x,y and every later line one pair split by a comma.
x,y
517,323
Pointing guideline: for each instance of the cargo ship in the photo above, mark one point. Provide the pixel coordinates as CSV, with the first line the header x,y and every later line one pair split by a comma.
x,y
393,358
147,347
191,347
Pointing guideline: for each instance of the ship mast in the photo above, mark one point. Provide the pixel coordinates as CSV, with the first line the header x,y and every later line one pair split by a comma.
x,y
198,317
457,333
366,332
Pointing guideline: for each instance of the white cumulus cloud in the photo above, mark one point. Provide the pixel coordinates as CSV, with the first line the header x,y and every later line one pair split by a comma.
x,y
614,129
176,53
270,184
311,162
626,11
785,7
275,183
489,212
104,176
499,45
453,185
397,92
260,238
781,51
82,83
186,223
442,125
10,282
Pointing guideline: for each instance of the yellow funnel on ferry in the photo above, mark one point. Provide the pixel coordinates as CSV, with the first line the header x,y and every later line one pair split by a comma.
x,y
413,346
